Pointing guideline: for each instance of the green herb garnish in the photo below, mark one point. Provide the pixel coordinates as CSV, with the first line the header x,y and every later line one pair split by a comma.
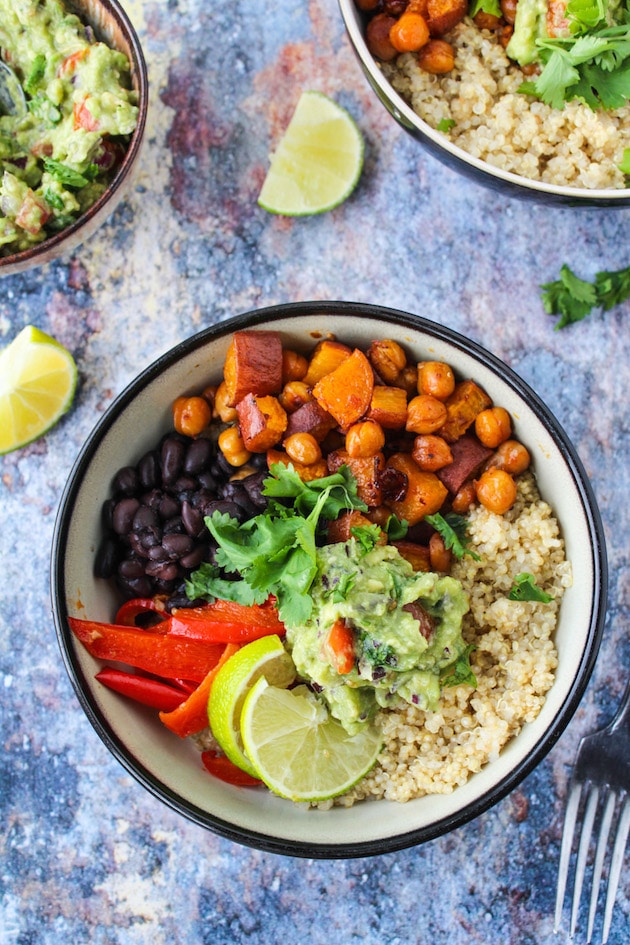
x,y
524,587
573,298
367,536
67,175
459,673
36,74
454,531
446,124
492,7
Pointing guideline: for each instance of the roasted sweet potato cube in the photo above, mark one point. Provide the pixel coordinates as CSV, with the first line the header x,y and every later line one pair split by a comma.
x,y
468,455
366,471
326,358
389,407
341,528
347,392
262,422
424,495
417,555
306,473
462,407
443,15
311,418
253,365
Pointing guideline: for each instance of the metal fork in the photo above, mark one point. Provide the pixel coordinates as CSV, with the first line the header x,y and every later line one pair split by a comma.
x,y
601,773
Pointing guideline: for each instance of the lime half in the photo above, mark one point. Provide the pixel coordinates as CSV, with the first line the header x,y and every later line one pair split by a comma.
x,y
318,161
298,749
38,378
265,657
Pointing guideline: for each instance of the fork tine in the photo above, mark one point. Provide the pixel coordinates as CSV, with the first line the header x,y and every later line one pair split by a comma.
x,y
580,866
616,862
600,852
568,829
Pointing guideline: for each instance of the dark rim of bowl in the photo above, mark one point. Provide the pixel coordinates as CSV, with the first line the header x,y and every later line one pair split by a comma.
x,y
139,69
261,840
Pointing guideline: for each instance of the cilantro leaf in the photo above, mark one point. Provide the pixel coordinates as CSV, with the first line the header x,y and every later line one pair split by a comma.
x,y
445,125
38,68
459,673
377,653
573,298
453,529
67,175
207,584
367,536
624,167
524,587
492,7
339,591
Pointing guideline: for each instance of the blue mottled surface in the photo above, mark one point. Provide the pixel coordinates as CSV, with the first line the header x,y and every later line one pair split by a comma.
x,y
88,856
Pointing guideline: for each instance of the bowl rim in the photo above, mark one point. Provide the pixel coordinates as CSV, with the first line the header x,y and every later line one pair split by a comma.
x,y
404,114
21,260
261,840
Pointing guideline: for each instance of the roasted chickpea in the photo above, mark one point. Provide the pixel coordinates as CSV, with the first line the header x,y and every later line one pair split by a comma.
x,y
425,414
431,452
294,366
380,515
191,415
222,409
231,445
464,499
387,358
410,33
377,37
437,57
508,10
303,448
418,6
493,426
295,394
408,380
440,556
364,439
486,21
436,378
496,490
209,393
511,456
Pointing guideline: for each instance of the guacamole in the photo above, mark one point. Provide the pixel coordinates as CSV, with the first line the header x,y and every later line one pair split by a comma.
x,y
60,154
405,631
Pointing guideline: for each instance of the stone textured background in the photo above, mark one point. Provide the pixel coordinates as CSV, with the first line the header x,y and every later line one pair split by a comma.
x,y
87,856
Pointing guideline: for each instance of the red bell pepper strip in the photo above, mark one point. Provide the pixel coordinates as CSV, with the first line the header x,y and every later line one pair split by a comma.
x,y
221,767
226,622
340,645
143,689
154,652
191,716
127,612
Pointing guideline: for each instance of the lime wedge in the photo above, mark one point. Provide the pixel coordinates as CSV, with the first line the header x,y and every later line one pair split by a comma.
x,y
298,749
318,161
264,657
38,378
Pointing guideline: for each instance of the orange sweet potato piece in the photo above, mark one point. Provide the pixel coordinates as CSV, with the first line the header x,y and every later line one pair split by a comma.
x,y
424,495
366,470
326,358
347,392
388,407
253,365
262,422
341,528
443,15
418,556
313,419
462,407
306,473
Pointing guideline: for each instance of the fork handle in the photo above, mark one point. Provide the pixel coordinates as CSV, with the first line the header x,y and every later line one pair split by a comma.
x,y
622,716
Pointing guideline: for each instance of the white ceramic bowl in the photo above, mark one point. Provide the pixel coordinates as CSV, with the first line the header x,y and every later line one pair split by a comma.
x,y
111,25
170,768
451,154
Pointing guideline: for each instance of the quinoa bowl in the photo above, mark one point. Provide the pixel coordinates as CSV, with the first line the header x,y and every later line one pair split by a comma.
x,y
492,742
475,120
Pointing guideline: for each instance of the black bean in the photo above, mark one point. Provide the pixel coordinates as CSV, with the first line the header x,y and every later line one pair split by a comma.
x,y
225,506
126,481
194,559
122,516
107,514
184,484
106,558
145,517
136,587
172,459
174,526
149,470
152,499
177,546
254,485
131,568
192,519
169,506
157,553
135,542
163,571
236,492
207,481
198,456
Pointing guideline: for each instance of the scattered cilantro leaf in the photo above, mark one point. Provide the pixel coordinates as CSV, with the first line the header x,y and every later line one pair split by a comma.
x,y
624,167
573,298
36,74
524,587
67,175
339,592
207,584
367,536
460,672
396,528
446,124
42,108
492,7
454,531
377,653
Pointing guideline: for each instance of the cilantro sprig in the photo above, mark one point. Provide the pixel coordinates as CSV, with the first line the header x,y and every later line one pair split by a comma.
x,y
573,298
524,587
454,530
460,672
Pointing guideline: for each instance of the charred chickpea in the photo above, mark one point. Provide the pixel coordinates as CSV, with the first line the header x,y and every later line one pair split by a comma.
x,y
191,415
440,556
222,409
295,394
377,37
436,378
496,490
512,457
425,414
408,379
387,358
493,426
464,499
418,6
294,366
231,445
364,439
486,21
379,516
410,33
431,452
303,448
505,35
394,7
508,10
437,57
209,393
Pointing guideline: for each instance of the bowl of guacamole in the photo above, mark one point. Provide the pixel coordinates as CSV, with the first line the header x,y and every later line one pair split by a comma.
x,y
73,101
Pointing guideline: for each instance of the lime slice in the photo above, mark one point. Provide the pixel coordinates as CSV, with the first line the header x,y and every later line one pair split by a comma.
x,y
298,749
264,657
317,163
37,382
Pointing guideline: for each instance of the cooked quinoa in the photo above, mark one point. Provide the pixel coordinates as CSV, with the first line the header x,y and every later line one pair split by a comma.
x,y
514,659
575,146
